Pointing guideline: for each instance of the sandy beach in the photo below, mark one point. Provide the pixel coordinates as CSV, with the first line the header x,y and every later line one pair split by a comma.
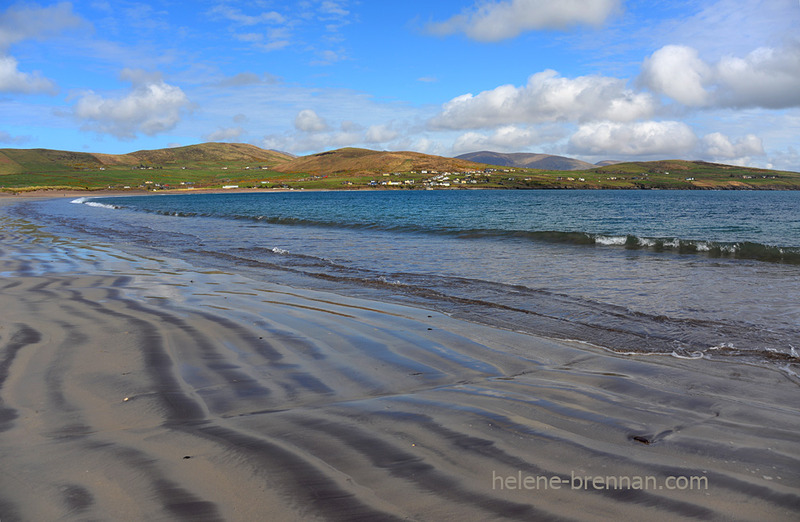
x,y
136,388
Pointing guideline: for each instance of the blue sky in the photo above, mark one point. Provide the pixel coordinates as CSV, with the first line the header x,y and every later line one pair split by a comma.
x,y
717,80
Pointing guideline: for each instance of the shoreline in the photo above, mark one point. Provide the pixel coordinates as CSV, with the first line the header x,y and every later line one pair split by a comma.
x,y
142,388
49,193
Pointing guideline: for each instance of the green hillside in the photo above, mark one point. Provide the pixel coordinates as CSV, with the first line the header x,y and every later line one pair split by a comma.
x,y
216,165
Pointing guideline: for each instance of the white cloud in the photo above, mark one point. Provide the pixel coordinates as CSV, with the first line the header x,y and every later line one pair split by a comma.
x,y
22,22
380,134
766,77
150,108
247,78
238,17
139,76
267,30
788,159
311,142
505,139
14,80
546,98
309,121
650,138
335,9
226,134
678,72
723,27
495,21
329,57
718,146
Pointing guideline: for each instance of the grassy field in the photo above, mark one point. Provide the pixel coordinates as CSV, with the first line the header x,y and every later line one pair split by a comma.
x,y
220,165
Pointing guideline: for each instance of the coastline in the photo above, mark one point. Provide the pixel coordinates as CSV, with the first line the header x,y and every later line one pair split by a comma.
x,y
138,388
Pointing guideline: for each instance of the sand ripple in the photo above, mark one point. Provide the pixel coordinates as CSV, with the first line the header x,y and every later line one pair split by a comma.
x,y
135,388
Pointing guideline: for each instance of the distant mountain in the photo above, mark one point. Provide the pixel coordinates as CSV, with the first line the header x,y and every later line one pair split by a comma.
x,y
606,163
364,161
526,160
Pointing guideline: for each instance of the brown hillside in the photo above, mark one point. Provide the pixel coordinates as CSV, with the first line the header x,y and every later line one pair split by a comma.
x,y
352,161
197,154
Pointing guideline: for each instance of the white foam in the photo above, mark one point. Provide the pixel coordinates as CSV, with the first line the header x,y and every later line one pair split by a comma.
x,y
89,203
610,240
280,250
693,355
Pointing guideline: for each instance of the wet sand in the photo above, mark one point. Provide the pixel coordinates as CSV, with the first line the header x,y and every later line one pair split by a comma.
x,y
148,389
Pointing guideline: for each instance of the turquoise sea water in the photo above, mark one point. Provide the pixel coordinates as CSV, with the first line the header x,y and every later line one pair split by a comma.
x,y
689,273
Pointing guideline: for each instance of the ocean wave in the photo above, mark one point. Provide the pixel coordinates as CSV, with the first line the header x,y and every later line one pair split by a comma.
x,y
713,249
89,203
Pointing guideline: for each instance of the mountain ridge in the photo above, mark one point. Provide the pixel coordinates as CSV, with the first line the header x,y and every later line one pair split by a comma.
x,y
527,160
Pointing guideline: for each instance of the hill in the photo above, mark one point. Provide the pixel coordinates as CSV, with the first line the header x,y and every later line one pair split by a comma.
x,y
19,161
526,160
206,153
217,165
354,162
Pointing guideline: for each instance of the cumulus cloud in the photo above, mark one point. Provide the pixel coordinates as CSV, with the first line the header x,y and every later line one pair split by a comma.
x,y
309,121
678,72
495,21
661,138
151,107
767,77
718,146
16,81
509,138
546,98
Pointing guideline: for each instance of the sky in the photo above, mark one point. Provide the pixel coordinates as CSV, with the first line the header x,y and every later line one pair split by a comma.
x,y
714,80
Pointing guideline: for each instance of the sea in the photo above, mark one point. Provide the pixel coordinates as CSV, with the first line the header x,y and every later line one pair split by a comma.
x,y
688,274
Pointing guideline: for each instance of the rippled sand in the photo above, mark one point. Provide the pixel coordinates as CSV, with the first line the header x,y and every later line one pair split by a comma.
x,y
147,389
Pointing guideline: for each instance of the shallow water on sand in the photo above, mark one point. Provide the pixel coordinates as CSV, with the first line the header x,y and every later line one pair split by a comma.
x,y
138,386
714,274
